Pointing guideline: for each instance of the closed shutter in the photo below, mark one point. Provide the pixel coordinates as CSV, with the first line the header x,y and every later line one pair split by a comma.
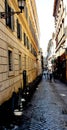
x,y
25,10
17,26
26,13
24,39
12,20
27,43
7,10
20,32
9,18
17,29
10,60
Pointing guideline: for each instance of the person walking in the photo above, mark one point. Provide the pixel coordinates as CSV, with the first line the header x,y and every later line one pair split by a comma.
x,y
54,77
50,76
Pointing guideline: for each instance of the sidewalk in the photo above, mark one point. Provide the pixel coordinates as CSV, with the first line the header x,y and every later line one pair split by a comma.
x,y
61,89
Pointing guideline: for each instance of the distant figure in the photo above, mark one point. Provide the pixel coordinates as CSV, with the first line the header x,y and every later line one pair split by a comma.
x,y
50,76
54,77
45,74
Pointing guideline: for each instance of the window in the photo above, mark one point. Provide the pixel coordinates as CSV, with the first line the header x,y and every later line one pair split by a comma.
x,y
19,30
10,64
62,26
25,39
27,43
30,47
10,18
20,62
26,12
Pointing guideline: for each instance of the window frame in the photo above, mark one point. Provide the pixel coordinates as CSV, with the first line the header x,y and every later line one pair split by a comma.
x,y
11,72
19,30
10,18
20,61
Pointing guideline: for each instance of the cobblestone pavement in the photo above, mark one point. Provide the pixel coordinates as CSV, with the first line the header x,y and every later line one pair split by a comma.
x,y
46,109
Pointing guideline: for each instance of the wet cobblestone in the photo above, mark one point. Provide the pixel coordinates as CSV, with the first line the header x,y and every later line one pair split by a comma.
x,y
44,111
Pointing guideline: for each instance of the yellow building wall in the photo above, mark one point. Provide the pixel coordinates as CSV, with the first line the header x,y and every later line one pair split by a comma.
x,y
11,81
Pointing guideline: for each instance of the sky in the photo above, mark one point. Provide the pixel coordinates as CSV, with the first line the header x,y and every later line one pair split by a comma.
x,y
46,22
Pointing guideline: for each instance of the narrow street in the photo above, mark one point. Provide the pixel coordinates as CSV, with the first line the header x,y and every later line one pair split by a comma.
x,y
33,65
47,109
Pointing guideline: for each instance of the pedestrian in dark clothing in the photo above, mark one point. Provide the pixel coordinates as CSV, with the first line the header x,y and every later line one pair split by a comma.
x,y
44,74
50,76
54,76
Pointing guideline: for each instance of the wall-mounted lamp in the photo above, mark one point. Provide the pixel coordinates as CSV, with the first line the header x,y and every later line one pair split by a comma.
x,y
21,4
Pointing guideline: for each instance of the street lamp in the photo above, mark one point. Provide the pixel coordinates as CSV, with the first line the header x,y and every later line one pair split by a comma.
x,y
21,4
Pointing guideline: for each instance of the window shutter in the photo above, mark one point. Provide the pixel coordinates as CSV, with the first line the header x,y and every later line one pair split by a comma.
x,y
10,60
25,10
17,29
17,26
12,21
7,10
20,32
20,62
24,39
27,43
10,18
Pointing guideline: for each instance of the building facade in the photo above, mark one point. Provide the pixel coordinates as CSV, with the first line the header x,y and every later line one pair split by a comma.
x,y
51,53
60,15
49,56
19,45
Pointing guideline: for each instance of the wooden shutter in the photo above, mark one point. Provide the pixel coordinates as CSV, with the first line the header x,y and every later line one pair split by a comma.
x,y
10,18
20,32
12,21
7,10
17,29
24,39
